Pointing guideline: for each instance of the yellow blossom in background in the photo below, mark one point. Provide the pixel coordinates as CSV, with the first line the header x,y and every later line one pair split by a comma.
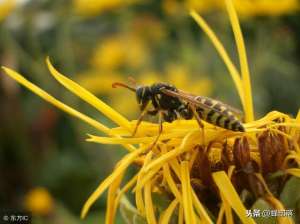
x,y
189,165
171,7
98,82
96,7
182,78
39,202
245,8
202,6
6,7
119,50
148,28
109,54
266,7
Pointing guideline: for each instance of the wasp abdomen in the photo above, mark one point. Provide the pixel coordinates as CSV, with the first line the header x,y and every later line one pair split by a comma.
x,y
219,115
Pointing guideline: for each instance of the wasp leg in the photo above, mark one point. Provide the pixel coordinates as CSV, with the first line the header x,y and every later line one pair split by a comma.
x,y
160,129
198,119
140,119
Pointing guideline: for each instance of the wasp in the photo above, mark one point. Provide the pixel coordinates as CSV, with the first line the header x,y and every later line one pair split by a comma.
x,y
171,103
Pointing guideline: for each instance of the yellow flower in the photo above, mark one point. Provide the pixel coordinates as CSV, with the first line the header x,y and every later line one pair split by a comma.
x,y
98,82
245,8
110,54
38,201
202,6
119,51
199,169
266,7
6,7
182,78
96,7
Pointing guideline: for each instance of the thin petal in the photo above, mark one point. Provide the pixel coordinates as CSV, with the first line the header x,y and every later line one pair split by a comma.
x,y
279,206
44,95
249,114
222,52
200,209
171,182
167,214
227,190
123,165
189,213
150,213
126,188
110,205
145,140
185,144
89,97
146,178
139,193
293,171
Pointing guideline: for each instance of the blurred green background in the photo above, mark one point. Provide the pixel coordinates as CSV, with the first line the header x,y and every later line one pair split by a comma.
x,y
46,167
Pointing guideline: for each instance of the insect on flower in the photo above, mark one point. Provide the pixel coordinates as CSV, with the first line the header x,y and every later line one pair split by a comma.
x,y
171,103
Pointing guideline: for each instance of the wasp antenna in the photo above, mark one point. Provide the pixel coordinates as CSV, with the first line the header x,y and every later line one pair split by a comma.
x,y
116,84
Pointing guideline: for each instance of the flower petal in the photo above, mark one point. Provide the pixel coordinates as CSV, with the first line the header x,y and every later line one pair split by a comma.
x,y
224,55
293,171
227,190
123,165
189,213
89,97
47,97
167,214
149,208
110,205
249,114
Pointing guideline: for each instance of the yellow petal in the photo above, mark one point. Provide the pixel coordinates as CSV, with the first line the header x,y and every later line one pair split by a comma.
x,y
171,182
249,114
228,212
189,213
145,140
224,55
126,188
139,193
89,97
110,205
150,213
279,206
188,139
38,91
220,215
167,214
293,171
146,178
123,165
227,190
6,8
200,209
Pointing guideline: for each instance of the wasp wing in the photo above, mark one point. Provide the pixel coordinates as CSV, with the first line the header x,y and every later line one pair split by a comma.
x,y
232,109
191,98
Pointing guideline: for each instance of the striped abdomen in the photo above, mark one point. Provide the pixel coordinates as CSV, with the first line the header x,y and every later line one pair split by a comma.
x,y
218,115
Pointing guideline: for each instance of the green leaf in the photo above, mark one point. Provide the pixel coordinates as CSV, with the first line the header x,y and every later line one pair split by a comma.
x,y
263,207
291,193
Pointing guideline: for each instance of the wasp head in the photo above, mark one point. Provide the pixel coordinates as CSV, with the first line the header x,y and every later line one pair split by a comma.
x,y
143,96
143,93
